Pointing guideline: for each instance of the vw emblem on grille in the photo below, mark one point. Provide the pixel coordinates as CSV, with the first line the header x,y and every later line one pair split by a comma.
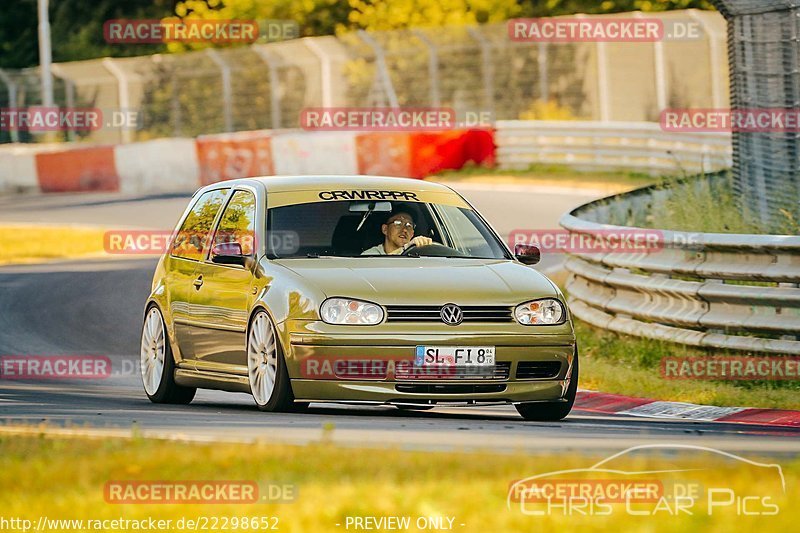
x,y
451,314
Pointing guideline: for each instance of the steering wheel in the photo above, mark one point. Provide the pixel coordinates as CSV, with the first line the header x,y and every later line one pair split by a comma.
x,y
430,250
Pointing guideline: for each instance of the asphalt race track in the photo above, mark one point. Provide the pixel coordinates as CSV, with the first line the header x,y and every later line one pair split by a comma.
x,y
94,307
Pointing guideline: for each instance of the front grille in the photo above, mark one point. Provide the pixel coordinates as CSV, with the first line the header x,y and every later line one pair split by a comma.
x,y
430,313
538,369
449,389
500,371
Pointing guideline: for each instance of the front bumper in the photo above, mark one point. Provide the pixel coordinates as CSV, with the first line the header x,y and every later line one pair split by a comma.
x,y
387,392
384,356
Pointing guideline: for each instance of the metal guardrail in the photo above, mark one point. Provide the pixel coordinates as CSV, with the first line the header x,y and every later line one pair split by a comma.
x,y
639,146
727,291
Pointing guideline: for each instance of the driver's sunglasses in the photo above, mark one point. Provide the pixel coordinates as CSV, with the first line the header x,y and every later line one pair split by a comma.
x,y
400,224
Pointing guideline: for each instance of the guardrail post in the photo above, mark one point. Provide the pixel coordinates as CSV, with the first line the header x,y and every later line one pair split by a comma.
x,y
383,70
274,87
433,67
124,95
12,101
227,91
487,69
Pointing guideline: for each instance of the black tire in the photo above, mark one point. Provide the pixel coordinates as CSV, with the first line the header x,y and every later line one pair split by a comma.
x,y
552,411
168,391
282,398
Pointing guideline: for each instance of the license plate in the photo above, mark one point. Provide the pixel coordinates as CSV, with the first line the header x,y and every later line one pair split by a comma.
x,y
454,356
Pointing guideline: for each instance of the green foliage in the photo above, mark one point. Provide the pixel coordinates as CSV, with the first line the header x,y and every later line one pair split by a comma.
x,y
549,8
396,14
77,25
76,29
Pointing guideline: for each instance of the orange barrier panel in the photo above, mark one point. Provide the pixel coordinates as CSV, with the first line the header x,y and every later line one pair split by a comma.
x,y
237,155
384,153
79,169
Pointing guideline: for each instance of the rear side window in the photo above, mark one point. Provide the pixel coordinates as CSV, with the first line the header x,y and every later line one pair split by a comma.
x,y
238,222
195,230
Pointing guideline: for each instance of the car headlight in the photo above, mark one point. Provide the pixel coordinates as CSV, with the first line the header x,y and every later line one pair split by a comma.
x,y
544,312
350,312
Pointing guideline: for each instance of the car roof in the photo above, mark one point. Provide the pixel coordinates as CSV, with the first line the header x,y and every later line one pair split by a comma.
x,y
323,183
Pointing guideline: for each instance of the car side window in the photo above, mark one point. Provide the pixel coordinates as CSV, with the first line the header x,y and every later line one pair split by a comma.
x,y
468,234
238,222
196,228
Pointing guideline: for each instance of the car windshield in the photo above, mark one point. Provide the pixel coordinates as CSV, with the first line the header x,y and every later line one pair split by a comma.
x,y
358,229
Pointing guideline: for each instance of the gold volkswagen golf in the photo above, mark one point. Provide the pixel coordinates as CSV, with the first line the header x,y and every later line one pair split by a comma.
x,y
353,289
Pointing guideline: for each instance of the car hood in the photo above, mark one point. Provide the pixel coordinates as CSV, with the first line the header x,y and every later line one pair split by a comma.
x,y
424,280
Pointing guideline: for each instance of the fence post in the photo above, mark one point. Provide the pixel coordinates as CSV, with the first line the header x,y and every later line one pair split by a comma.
x,y
227,91
124,95
383,71
603,92
715,59
660,71
69,86
12,101
487,69
325,72
433,67
544,82
274,88
175,105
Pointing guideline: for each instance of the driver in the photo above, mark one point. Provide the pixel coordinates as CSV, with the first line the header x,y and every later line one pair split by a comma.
x,y
398,234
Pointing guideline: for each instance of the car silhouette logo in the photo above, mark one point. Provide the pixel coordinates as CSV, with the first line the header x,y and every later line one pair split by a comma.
x,y
451,314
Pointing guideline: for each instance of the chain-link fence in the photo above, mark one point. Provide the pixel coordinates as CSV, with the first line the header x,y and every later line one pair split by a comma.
x,y
474,69
764,50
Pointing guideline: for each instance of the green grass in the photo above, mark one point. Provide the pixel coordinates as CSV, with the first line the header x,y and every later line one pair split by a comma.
x,y
711,206
620,364
65,478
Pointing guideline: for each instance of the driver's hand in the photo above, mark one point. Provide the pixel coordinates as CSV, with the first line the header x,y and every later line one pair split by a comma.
x,y
419,241
416,241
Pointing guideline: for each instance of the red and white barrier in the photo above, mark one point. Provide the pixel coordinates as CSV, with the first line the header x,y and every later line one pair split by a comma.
x,y
18,166
315,152
600,402
167,165
158,165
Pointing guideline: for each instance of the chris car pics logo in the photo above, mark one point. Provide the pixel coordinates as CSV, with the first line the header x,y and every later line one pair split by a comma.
x,y
695,480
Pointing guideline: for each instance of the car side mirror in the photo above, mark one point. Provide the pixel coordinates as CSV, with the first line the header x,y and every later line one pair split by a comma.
x,y
527,254
229,253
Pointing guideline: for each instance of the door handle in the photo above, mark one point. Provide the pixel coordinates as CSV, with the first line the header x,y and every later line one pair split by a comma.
x,y
198,282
